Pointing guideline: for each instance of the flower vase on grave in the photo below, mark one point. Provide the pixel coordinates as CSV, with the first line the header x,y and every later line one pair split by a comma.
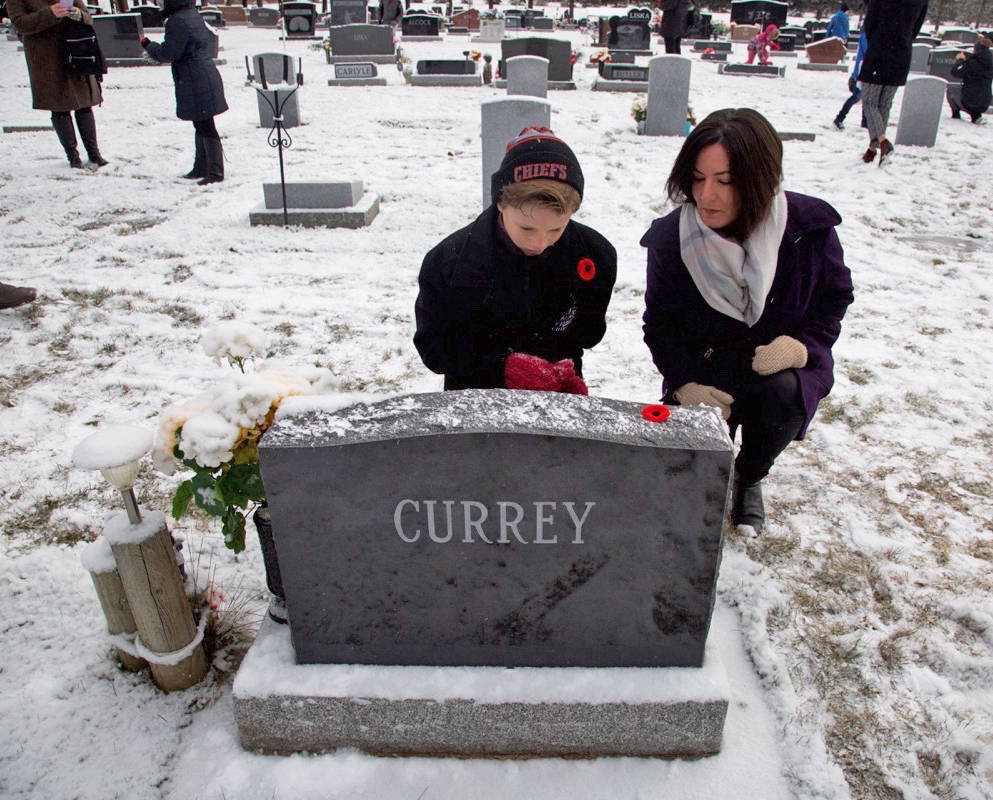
x,y
689,127
263,524
641,127
488,68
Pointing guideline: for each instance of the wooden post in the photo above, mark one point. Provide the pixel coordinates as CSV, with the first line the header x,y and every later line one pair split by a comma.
x,y
99,562
146,562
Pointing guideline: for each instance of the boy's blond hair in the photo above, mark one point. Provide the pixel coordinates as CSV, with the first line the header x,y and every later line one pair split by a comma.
x,y
556,195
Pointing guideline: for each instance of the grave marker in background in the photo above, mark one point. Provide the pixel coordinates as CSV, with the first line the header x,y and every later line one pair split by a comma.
x,y
503,119
668,95
527,75
920,111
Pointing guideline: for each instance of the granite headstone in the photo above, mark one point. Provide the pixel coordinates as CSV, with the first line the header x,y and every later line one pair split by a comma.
x,y
349,12
527,75
557,51
501,120
498,528
119,36
264,17
758,12
299,19
668,95
362,42
920,111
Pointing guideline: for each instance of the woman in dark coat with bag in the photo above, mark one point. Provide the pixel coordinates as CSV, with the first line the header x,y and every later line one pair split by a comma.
x,y
199,89
673,23
52,87
747,287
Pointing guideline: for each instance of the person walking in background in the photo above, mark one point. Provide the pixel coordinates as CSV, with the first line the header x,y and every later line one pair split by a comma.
x,y
199,89
976,73
890,28
839,26
52,87
746,290
673,23
513,299
390,12
853,85
761,44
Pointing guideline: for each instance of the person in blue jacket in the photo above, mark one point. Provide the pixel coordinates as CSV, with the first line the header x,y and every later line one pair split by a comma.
x,y
838,26
853,86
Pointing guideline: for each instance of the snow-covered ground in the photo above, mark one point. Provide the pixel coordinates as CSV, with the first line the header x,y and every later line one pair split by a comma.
x,y
863,617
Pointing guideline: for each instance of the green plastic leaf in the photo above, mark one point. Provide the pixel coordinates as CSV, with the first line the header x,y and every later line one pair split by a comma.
x,y
181,500
233,529
207,496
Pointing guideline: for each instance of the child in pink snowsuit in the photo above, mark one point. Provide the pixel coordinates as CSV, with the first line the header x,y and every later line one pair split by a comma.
x,y
761,45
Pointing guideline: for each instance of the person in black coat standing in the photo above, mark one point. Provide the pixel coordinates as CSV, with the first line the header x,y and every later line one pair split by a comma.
x,y
673,23
199,89
890,28
976,73
512,300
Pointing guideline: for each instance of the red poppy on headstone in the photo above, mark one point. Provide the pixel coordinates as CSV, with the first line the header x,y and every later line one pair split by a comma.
x,y
655,412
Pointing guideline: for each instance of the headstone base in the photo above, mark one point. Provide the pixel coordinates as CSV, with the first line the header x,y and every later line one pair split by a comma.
x,y
501,83
601,85
796,136
386,58
357,216
719,57
823,67
356,81
26,128
283,707
782,54
420,38
300,38
445,80
751,69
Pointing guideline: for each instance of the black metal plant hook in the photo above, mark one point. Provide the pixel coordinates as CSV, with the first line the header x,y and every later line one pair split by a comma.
x,y
278,137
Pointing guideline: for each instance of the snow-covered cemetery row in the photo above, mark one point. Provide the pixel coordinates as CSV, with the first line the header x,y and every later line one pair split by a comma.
x,y
857,630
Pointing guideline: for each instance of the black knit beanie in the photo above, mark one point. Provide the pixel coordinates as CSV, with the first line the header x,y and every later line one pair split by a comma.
x,y
537,153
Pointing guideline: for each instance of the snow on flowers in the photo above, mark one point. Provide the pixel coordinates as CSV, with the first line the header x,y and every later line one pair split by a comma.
x,y
216,434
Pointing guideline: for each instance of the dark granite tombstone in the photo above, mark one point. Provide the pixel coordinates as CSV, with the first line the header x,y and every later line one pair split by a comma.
x,y
963,35
786,42
557,51
799,35
349,12
151,16
624,72
264,17
213,17
627,33
719,57
446,67
542,24
942,59
930,40
420,25
300,19
362,41
353,71
514,20
623,56
717,47
119,36
758,12
497,528
702,27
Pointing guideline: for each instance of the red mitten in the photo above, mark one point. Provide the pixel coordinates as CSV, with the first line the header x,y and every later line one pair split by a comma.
x,y
574,385
525,371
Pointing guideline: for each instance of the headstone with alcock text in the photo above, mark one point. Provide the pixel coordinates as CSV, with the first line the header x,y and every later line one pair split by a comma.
x,y
497,527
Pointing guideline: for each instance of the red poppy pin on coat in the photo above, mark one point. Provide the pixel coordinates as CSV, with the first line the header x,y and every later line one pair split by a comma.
x,y
655,412
586,269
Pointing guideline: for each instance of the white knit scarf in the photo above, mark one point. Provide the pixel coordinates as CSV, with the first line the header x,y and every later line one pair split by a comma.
x,y
734,279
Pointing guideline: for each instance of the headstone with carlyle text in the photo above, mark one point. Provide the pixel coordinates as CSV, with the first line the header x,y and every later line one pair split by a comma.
x,y
498,527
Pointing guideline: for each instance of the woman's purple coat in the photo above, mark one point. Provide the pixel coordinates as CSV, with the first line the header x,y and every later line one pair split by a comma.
x,y
808,299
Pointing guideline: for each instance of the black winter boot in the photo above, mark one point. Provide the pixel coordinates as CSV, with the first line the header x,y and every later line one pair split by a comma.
x,y
199,160
13,296
88,133
66,132
747,507
214,162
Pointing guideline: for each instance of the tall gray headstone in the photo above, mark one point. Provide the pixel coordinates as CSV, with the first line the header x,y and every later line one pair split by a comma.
x,y
364,41
919,57
286,101
494,527
527,75
502,120
920,112
277,68
668,95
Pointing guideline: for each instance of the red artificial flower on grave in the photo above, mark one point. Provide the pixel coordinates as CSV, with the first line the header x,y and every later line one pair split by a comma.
x,y
586,269
655,412
572,57
708,51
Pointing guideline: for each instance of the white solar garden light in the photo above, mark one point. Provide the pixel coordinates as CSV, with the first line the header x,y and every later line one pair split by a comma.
x,y
116,451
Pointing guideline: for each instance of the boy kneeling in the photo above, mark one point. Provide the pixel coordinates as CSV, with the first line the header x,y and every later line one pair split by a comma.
x,y
513,299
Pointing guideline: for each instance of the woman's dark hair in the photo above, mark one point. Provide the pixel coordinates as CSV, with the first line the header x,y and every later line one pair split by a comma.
x,y
755,152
